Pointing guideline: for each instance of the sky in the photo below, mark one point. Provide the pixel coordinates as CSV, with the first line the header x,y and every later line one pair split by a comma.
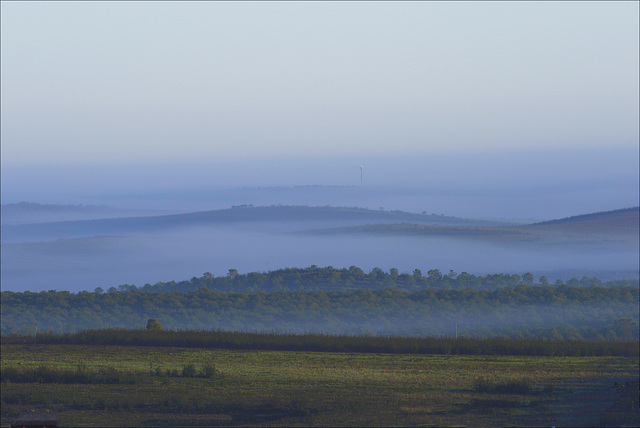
x,y
132,93
517,110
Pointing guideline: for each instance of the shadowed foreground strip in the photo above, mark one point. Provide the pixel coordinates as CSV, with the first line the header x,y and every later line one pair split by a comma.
x,y
35,420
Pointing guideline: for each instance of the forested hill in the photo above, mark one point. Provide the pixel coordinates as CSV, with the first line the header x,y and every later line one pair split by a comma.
x,y
238,214
314,278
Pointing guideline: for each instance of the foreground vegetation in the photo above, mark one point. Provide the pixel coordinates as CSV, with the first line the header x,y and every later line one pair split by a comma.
x,y
162,386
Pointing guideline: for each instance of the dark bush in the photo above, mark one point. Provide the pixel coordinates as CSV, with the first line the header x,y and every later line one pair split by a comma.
x,y
209,371
518,386
189,370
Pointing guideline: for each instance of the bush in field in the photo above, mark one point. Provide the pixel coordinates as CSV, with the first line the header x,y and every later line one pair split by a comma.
x,y
189,371
172,372
518,386
482,385
209,371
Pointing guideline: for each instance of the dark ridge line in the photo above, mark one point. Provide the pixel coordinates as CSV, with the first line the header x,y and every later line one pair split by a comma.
x,y
586,216
231,214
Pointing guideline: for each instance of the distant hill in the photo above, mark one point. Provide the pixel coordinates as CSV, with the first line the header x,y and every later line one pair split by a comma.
x,y
290,215
612,228
30,212
619,227
621,221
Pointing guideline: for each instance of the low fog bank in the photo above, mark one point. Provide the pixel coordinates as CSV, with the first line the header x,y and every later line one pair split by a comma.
x,y
30,212
540,185
381,312
526,186
270,219
87,263
588,322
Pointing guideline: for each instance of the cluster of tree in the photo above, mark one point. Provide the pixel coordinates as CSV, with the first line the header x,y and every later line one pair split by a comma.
x,y
329,278
331,343
554,312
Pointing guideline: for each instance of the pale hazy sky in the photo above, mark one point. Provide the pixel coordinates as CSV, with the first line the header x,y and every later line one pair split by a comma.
x,y
124,82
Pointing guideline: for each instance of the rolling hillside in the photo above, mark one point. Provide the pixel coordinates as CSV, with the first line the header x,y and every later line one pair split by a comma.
x,y
80,255
624,221
290,215
611,228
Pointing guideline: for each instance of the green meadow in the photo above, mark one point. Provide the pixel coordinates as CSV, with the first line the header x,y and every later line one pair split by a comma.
x,y
169,386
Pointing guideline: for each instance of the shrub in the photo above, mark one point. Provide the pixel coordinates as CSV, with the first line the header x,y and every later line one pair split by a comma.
x,y
209,371
189,370
518,386
482,385
521,386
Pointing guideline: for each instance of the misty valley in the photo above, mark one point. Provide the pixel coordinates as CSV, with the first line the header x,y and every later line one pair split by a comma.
x,y
348,214
277,313
84,254
255,257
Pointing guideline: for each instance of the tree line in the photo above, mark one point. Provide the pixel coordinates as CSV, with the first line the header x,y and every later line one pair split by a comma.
x,y
598,313
314,278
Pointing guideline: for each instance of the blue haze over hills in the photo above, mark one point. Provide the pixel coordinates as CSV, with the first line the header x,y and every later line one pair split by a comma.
x,y
508,111
514,188
526,184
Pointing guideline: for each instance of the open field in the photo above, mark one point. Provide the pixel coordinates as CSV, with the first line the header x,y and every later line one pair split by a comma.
x,y
308,388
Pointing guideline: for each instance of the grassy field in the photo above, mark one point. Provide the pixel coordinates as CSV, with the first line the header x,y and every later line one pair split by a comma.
x,y
307,388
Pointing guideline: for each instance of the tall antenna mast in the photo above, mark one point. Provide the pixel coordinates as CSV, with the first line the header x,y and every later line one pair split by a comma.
x,y
360,174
